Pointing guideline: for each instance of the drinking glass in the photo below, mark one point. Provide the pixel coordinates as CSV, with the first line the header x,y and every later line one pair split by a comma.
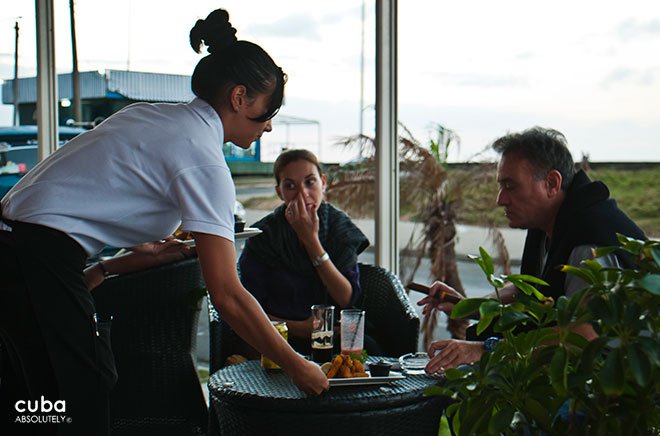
x,y
352,331
322,332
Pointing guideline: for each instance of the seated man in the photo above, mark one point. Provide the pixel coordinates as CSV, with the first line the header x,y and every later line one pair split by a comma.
x,y
566,215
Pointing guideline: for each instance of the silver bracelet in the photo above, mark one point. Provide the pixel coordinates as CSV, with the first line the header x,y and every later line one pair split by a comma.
x,y
317,261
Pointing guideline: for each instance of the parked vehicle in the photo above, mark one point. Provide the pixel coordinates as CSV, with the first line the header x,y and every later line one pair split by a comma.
x,y
19,151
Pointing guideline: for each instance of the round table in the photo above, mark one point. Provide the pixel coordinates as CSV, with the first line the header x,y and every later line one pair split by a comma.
x,y
250,400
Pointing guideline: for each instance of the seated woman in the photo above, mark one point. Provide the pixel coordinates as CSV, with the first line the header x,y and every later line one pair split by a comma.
x,y
307,253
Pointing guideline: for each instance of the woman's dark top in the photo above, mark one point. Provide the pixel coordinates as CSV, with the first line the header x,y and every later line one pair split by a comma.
x,y
276,269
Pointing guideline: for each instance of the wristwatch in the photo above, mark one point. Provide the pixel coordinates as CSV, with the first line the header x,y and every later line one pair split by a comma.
x,y
490,344
317,261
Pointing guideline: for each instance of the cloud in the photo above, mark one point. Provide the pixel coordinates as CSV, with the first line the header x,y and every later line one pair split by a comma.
x,y
337,17
632,28
642,78
525,56
292,26
481,80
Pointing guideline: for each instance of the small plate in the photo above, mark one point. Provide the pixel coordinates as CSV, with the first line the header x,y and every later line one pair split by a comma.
x,y
247,232
364,381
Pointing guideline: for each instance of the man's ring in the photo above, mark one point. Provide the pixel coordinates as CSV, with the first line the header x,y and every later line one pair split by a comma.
x,y
289,212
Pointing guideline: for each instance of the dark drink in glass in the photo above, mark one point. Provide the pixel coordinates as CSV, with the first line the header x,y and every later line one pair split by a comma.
x,y
322,346
322,332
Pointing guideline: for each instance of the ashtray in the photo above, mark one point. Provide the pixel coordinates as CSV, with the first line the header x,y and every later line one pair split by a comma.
x,y
414,363
380,368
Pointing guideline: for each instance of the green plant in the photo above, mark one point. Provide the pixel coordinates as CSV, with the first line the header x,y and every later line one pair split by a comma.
x,y
549,379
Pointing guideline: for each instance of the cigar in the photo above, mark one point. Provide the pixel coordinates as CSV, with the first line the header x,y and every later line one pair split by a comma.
x,y
442,296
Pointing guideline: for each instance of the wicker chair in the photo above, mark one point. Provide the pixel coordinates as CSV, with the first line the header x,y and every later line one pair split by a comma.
x,y
391,318
155,314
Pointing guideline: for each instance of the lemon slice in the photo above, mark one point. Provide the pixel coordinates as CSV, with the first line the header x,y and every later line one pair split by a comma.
x,y
326,367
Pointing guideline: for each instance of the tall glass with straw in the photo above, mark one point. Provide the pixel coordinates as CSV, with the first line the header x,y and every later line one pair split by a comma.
x,y
352,332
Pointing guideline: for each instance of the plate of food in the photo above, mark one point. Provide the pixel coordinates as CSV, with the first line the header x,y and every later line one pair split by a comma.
x,y
247,232
347,371
365,381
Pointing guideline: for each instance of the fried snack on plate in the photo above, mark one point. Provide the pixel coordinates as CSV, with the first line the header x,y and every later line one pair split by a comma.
x,y
344,366
345,372
336,364
348,361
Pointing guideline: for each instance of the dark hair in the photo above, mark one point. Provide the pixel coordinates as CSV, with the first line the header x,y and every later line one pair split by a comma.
x,y
288,156
231,62
545,149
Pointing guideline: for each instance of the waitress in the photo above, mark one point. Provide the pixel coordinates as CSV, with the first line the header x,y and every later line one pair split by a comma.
x,y
133,179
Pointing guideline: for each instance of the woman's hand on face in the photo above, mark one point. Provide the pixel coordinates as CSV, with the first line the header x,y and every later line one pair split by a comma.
x,y
303,219
452,353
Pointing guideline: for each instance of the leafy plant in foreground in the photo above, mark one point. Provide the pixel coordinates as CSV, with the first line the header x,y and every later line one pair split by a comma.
x,y
548,379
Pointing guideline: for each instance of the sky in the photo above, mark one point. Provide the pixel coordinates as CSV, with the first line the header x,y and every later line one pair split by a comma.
x,y
590,69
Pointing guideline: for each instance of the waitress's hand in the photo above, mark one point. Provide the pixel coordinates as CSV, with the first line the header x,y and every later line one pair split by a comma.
x,y
303,219
309,377
94,276
166,250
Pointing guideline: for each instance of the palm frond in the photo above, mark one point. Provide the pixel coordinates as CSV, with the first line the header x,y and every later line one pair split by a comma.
x,y
433,194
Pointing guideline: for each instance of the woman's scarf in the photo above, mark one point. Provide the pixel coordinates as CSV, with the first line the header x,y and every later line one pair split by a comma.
x,y
278,246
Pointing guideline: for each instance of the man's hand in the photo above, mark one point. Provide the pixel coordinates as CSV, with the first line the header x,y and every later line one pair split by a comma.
x,y
434,302
451,353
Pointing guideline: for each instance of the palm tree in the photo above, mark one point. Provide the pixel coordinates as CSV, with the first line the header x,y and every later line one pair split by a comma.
x,y
433,194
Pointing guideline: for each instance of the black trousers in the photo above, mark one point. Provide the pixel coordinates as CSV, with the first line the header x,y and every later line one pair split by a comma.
x,y
56,355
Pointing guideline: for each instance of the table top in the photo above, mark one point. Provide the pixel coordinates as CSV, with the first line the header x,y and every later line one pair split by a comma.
x,y
247,232
250,385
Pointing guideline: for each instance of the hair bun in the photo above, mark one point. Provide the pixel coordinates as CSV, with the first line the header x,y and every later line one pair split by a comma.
x,y
216,32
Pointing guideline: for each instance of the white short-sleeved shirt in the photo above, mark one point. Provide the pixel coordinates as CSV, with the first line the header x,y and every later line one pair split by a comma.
x,y
133,179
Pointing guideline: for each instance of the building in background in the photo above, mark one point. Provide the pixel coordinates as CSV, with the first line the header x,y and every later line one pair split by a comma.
x,y
106,92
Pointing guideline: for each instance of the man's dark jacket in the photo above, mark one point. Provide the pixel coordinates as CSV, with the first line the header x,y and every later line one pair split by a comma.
x,y
587,217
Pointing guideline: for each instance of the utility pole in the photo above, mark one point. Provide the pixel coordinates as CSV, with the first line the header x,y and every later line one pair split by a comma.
x,y
128,39
362,77
47,101
75,76
15,84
